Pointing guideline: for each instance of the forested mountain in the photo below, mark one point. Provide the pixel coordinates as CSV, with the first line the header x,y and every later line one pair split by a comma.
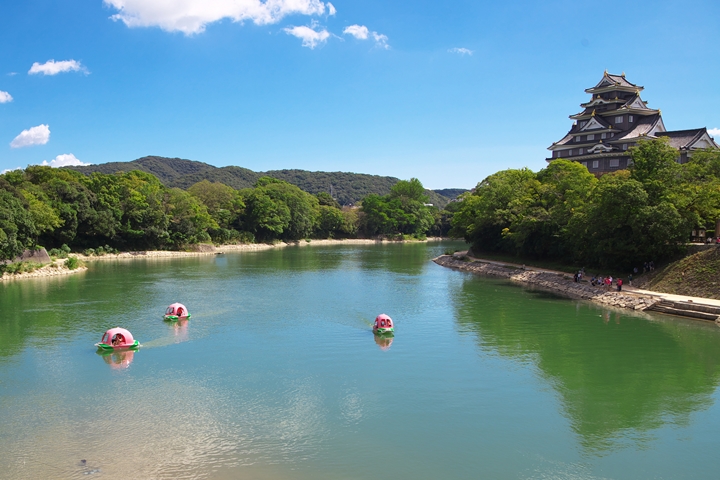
x,y
346,188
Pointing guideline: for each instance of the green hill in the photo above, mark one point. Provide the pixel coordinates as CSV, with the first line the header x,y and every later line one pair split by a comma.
x,y
347,188
697,275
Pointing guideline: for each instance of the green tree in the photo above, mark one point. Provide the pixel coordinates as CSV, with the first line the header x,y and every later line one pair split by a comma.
x,y
17,230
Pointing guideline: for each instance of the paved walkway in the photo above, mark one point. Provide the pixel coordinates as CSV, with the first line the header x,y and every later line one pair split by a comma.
x,y
674,298
626,288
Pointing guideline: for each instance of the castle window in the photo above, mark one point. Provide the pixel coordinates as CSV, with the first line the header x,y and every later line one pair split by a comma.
x,y
624,146
630,118
584,164
577,139
619,119
614,162
580,151
603,136
596,163
591,137
569,153
582,124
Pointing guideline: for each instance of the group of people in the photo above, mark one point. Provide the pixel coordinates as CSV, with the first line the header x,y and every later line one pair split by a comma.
x,y
606,282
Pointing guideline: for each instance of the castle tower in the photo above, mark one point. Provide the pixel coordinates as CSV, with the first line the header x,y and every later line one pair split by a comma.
x,y
614,120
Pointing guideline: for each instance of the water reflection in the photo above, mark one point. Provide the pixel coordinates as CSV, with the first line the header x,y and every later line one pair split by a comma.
x,y
119,359
384,340
618,376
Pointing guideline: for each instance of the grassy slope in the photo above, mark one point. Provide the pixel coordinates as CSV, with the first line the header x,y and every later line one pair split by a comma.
x,y
348,187
696,275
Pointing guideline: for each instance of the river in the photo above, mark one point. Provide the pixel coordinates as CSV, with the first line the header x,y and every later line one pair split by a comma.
x,y
277,375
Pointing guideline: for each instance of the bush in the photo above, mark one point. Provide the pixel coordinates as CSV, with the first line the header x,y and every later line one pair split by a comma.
x,y
21,267
72,263
61,252
89,252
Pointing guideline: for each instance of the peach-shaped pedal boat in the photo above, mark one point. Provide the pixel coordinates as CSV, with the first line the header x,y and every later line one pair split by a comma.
x,y
117,338
176,311
383,324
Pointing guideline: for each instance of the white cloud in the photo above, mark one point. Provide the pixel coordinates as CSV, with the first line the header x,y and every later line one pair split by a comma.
x,y
715,132
461,51
380,40
12,74
64,160
5,97
192,16
361,32
51,67
310,37
10,170
33,136
358,31
331,9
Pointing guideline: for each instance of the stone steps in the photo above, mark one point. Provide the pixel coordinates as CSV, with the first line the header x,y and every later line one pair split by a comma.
x,y
687,309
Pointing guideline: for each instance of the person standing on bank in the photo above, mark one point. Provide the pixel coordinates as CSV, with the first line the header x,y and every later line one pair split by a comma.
x,y
619,284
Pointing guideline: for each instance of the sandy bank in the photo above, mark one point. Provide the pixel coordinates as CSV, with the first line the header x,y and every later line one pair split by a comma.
x,y
198,250
208,249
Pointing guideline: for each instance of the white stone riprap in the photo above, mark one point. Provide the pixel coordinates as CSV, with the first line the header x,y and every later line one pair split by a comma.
x,y
560,283
52,270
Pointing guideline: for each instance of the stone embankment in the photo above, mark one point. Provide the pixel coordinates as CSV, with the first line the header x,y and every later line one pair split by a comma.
x,y
560,283
52,270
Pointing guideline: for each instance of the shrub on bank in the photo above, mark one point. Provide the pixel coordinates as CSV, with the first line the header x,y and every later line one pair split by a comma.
x,y
73,263
21,267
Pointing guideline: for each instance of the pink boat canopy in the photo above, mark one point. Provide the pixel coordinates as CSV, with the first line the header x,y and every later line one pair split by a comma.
x,y
118,337
177,309
383,323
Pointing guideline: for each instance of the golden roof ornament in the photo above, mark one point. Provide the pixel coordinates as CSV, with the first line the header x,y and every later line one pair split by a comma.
x,y
622,74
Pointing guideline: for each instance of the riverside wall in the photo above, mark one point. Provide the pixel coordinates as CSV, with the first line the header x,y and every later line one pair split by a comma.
x,y
560,283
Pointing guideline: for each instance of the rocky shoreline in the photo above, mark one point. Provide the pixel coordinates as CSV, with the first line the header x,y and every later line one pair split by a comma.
x,y
560,283
52,270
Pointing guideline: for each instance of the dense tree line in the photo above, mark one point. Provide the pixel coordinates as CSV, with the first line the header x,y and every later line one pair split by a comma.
x,y
134,211
619,220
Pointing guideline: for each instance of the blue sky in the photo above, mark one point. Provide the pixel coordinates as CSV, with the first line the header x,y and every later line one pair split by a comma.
x,y
447,92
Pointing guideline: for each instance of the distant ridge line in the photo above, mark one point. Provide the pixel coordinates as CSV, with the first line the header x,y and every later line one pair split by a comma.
x,y
348,188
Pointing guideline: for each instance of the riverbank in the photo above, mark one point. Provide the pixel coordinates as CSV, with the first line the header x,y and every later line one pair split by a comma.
x,y
563,284
209,249
53,269
58,267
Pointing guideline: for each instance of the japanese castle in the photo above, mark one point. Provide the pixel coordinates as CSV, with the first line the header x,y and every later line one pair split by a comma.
x,y
614,120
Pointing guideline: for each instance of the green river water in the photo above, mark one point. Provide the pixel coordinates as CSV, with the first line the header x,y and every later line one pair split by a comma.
x,y
278,375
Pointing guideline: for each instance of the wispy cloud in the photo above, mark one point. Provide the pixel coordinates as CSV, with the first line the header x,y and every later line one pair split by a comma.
x,y
310,37
714,132
361,32
331,9
39,135
64,160
51,67
10,170
192,16
5,97
461,50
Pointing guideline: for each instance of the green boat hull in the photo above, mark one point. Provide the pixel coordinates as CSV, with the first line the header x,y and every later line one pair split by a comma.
x,y
109,348
175,318
384,331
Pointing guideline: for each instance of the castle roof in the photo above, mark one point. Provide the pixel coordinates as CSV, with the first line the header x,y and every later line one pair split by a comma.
x,y
689,139
610,82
